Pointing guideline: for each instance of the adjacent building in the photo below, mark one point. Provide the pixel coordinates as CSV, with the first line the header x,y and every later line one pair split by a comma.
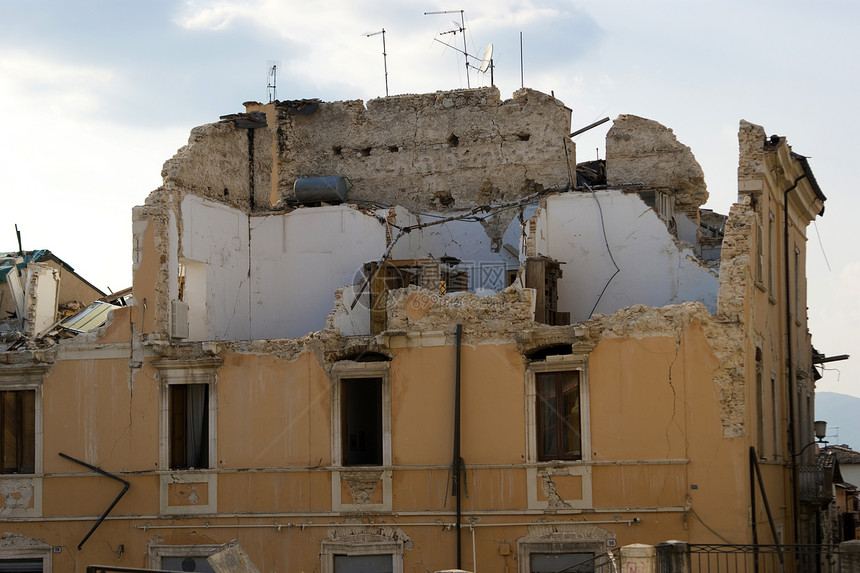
x,y
410,335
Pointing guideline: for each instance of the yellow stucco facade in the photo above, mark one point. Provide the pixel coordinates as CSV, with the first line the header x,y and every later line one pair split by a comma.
x,y
666,402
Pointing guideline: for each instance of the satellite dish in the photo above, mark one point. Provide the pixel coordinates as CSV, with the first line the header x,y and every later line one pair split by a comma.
x,y
488,58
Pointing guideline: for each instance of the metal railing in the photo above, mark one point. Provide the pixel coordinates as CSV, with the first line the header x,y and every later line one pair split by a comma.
x,y
761,559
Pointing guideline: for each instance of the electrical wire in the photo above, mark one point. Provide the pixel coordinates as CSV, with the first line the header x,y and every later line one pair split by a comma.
x,y
606,242
471,215
820,244
709,528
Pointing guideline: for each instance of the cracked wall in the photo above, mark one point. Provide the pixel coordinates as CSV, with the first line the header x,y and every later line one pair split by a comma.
x,y
592,233
642,153
440,151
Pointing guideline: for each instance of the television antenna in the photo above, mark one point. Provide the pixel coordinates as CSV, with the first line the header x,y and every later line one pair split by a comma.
x,y
384,55
272,80
461,28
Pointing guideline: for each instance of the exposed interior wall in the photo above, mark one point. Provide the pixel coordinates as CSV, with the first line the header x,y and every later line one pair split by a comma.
x,y
216,236
299,260
288,260
641,152
655,270
43,289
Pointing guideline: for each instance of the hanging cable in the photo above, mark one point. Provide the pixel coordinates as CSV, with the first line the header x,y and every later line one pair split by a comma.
x,y
608,250
820,244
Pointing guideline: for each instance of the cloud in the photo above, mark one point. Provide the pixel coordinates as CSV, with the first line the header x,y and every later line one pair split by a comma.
x,y
338,59
52,87
214,17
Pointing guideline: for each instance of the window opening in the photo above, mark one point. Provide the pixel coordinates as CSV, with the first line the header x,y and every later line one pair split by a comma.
x,y
21,565
437,275
189,426
759,254
558,416
797,284
361,403
186,564
771,252
363,564
18,423
554,350
554,562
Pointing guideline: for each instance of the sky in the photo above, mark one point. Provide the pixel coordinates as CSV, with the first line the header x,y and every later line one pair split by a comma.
x,y
97,94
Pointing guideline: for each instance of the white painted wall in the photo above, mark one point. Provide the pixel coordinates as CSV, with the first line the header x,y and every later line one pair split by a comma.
x,y
464,240
217,236
300,259
654,271
353,320
687,229
276,275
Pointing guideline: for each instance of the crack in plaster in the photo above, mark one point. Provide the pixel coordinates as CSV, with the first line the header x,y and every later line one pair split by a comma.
x,y
550,490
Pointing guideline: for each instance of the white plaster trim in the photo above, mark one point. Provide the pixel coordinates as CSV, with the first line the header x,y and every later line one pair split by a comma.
x,y
338,476
576,538
29,377
112,351
22,485
186,372
361,547
188,476
562,363
15,546
170,372
348,369
568,469
156,552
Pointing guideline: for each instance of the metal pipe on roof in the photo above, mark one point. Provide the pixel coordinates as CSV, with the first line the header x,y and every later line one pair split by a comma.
x,y
455,486
587,127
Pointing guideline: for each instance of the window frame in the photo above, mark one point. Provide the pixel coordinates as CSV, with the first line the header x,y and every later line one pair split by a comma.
x,y
186,372
559,543
180,460
351,370
362,544
18,547
367,392
27,378
557,363
558,380
23,422
157,552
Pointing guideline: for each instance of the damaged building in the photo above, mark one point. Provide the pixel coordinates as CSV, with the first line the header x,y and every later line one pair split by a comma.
x,y
411,334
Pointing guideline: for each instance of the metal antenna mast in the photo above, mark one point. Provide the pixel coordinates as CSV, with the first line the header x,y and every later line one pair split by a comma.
x,y
462,30
272,80
384,56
